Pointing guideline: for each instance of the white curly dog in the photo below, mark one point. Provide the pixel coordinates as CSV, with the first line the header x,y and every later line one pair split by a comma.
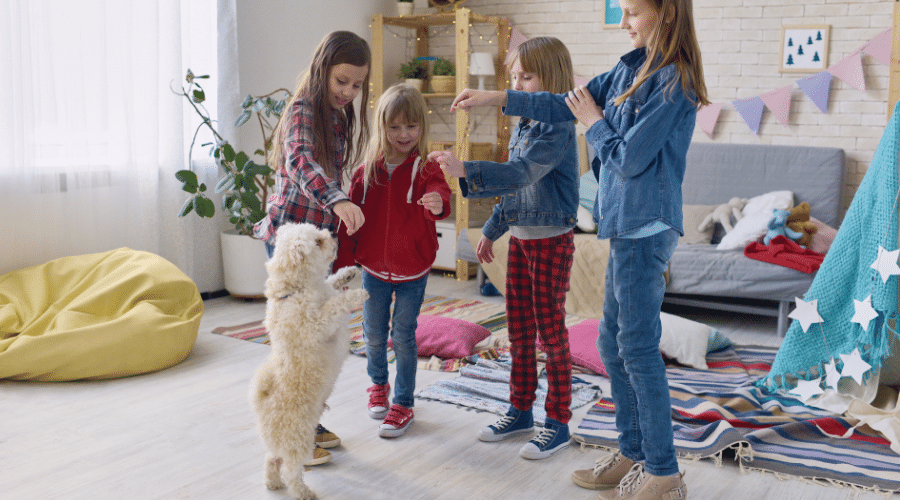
x,y
307,321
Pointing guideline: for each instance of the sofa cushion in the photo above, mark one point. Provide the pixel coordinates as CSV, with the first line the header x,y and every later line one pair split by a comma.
x,y
693,216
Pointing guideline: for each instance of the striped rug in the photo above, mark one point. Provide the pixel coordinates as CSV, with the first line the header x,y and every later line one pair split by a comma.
x,y
490,316
721,408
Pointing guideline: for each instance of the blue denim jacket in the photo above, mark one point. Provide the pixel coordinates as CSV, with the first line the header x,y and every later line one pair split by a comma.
x,y
641,145
539,183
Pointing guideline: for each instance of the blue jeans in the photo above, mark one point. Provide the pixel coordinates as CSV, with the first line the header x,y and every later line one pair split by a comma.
x,y
629,347
402,329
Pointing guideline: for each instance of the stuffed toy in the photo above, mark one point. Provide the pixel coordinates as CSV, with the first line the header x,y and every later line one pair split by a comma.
x,y
777,227
799,221
723,213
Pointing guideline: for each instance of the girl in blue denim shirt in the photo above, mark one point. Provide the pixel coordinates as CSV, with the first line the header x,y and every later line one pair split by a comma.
x,y
539,188
640,118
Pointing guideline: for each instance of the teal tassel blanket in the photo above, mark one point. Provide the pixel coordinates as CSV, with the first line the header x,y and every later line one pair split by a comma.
x,y
846,276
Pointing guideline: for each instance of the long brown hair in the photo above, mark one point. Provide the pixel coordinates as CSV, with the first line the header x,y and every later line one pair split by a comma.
x,y
399,100
339,47
549,59
674,41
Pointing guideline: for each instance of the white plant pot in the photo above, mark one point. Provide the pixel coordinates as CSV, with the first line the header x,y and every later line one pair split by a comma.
x,y
404,8
244,262
415,83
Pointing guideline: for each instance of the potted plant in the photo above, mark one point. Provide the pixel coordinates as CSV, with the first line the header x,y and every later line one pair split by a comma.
x,y
414,72
404,7
244,183
443,76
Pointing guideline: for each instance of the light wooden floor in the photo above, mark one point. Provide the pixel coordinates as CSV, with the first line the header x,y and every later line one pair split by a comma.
x,y
188,433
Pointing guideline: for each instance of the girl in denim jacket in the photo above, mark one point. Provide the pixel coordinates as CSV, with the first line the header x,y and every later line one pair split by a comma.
x,y
640,118
539,188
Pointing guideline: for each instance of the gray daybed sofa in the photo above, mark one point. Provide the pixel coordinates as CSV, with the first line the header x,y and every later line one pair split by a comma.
x,y
703,276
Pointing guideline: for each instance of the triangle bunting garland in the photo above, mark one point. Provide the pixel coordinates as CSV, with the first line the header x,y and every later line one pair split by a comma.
x,y
779,103
817,87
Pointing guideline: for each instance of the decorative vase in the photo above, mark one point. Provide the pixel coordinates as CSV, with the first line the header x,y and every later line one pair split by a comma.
x,y
416,83
442,84
404,8
244,262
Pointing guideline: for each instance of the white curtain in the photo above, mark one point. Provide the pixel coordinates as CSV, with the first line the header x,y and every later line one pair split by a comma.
x,y
92,133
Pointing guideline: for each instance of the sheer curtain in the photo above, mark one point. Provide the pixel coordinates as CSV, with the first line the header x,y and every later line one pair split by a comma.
x,y
93,134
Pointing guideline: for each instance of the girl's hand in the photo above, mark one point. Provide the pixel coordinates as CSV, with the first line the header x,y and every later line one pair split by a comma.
x,y
485,250
449,163
350,214
470,98
583,106
433,202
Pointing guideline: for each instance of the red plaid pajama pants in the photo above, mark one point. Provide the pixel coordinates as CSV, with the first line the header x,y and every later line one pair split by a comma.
x,y
537,279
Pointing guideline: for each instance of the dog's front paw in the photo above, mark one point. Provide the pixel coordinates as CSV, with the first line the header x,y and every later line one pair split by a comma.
x,y
344,276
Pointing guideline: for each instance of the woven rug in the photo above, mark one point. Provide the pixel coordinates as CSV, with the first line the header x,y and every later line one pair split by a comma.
x,y
484,386
722,408
488,315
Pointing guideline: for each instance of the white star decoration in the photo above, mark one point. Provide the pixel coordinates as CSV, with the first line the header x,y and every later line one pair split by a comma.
x,y
832,376
864,312
886,263
854,366
806,313
807,388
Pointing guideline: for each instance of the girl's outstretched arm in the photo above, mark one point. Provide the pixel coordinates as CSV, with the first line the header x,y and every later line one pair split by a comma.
x,y
470,98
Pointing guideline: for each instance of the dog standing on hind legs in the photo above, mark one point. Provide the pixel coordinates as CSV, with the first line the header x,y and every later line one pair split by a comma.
x,y
307,321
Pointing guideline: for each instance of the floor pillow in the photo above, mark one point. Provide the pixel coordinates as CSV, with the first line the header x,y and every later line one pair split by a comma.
x,y
96,316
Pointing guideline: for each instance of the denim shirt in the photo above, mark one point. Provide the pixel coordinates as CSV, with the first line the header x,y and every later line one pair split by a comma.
x,y
641,146
539,183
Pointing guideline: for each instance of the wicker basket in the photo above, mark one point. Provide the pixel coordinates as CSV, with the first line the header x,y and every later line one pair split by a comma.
x,y
443,84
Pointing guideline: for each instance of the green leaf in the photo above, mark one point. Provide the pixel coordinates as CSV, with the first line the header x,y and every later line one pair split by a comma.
x,y
250,201
204,207
202,188
188,180
240,160
189,77
187,207
260,152
247,101
199,95
238,181
228,151
242,118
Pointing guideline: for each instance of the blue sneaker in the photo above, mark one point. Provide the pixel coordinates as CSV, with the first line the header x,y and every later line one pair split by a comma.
x,y
553,438
515,422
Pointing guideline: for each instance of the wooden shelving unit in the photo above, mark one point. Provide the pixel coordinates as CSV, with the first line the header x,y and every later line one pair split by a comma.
x,y
462,18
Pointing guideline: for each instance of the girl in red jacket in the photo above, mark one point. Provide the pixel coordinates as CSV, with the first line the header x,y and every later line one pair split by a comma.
x,y
401,194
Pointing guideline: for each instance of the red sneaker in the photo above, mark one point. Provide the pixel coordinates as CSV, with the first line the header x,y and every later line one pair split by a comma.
x,y
397,421
378,400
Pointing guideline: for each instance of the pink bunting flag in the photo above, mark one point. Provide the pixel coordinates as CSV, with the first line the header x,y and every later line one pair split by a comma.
x,y
880,47
779,103
580,80
850,70
708,116
516,38
817,88
750,110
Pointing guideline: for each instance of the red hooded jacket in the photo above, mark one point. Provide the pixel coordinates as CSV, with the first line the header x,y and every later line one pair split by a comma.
x,y
398,240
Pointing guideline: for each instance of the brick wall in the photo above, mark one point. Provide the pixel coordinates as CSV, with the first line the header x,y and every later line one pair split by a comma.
x,y
740,43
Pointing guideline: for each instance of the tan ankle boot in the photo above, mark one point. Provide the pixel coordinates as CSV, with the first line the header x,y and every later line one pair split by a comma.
x,y
606,474
639,485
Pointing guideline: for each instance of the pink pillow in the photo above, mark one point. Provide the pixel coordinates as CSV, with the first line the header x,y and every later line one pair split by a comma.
x,y
823,237
583,345
448,338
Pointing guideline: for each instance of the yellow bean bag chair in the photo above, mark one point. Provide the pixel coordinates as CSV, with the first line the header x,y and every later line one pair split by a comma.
x,y
96,316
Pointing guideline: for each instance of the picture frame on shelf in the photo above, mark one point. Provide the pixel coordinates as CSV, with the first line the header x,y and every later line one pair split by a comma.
x,y
612,13
804,48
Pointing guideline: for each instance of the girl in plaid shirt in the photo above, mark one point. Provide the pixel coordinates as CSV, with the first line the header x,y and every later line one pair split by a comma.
x,y
314,142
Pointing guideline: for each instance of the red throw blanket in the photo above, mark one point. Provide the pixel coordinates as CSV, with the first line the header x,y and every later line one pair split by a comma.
x,y
783,251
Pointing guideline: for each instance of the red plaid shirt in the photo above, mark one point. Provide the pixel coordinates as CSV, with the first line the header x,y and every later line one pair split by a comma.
x,y
303,191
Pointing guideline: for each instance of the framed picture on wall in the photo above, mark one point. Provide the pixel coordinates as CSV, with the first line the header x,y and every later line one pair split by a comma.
x,y
804,49
612,13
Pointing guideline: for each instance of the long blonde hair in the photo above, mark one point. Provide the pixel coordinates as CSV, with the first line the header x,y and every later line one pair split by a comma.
x,y
398,101
549,59
339,47
674,41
